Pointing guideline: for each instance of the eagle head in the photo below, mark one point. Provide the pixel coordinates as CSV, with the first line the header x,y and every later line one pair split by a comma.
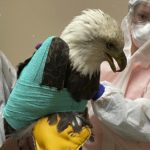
x,y
94,37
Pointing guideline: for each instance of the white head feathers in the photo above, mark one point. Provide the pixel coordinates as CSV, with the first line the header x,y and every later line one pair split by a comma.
x,y
86,36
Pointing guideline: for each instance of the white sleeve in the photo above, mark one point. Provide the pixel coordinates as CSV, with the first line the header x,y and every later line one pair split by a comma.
x,y
128,118
9,74
9,70
8,78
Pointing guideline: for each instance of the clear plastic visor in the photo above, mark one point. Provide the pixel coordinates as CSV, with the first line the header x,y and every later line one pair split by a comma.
x,y
141,12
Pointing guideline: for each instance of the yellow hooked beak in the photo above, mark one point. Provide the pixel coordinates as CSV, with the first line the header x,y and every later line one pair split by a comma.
x,y
47,137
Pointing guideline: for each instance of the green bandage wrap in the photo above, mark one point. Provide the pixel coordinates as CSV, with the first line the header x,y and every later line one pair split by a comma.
x,y
30,101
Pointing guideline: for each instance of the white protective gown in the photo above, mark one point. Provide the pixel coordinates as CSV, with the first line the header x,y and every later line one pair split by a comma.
x,y
123,111
7,80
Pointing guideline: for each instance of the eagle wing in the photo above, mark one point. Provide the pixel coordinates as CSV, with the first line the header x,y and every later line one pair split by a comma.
x,y
56,64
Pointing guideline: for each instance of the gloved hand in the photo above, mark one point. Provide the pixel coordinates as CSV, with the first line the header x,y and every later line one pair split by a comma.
x,y
99,93
47,137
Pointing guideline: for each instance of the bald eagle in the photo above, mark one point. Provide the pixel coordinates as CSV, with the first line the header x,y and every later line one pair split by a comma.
x,y
90,39
70,62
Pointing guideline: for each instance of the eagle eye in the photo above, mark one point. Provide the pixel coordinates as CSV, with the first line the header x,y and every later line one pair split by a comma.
x,y
109,45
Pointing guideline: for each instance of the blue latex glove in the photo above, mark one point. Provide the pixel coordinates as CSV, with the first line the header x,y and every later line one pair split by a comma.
x,y
99,93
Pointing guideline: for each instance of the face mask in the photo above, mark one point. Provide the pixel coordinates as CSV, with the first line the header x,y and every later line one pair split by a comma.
x,y
140,33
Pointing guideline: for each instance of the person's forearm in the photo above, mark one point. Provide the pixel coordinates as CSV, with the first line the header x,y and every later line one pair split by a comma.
x,y
124,116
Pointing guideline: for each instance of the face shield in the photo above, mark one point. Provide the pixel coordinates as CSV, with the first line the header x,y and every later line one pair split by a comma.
x,y
140,21
133,3
126,24
140,11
